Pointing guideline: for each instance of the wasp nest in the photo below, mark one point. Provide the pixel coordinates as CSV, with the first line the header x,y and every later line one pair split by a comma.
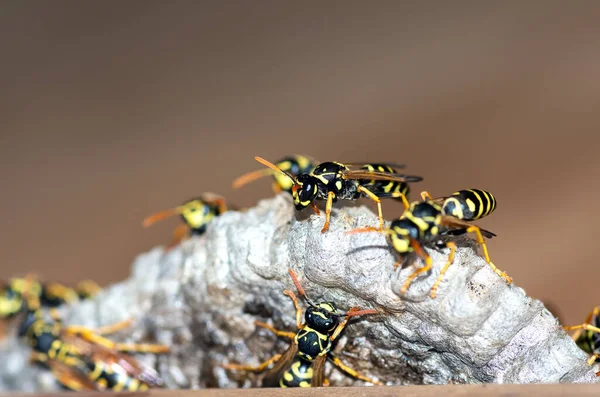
x,y
203,297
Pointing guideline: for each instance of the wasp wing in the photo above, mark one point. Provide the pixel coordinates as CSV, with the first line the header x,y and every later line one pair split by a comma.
x,y
380,176
129,364
318,371
273,375
458,226
71,377
391,165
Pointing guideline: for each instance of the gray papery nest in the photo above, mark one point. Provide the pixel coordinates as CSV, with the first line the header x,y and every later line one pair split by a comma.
x,y
202,299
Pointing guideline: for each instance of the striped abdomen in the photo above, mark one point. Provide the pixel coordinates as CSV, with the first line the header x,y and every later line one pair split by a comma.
x,y
470,204
383,188
112,377
299,374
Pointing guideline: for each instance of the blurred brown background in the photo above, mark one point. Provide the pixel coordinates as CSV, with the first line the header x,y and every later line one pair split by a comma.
x,y
113,110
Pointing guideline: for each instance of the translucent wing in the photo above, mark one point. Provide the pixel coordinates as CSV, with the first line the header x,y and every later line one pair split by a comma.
x,y
128,363
460,227
273,375
380,176
392,165
318,371
71,377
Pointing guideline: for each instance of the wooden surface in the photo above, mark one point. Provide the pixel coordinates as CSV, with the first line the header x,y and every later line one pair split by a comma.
x,y
560,390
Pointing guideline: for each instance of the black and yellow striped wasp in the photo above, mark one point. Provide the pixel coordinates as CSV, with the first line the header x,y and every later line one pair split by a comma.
x,y
303,363
423,223
587,335
334,181
196,213
50,294
294,165
82,359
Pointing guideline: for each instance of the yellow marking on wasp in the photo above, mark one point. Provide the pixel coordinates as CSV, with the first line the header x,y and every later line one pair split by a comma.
x,y
321,178
304,384
420,222
306,330
480,204
54,348
488,202
134,385
120,384
338,185
102,382
95,374
471,205
303,162
288,376
62,352
400,244
295,367
388,188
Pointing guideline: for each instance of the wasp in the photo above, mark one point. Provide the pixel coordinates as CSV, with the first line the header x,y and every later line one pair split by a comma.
x,y
424,222
196,213
332,181
303,363
83,359
587,335
294,165
12,295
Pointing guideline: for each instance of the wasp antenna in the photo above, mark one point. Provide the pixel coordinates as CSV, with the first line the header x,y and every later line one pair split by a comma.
x,y
274,168
355,311
299,287
251,176
151,219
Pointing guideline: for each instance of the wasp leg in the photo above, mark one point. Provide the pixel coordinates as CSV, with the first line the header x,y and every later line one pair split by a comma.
x,y
179,234
481,241
37,357
221,205
315,209
296,306
283,334
338,363
373,197
452,247
330,196
112,328
420,251
91,336
258,368
588,320
276,188
404,199
593,359
342,325
425,195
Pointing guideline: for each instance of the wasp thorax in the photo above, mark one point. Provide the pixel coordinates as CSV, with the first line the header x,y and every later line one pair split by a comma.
x,y
425,210
306,191
321,317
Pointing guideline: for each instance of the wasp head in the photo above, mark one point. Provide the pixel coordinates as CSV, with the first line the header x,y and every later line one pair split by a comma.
x,y
401,231
195,212
322,317
305,191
